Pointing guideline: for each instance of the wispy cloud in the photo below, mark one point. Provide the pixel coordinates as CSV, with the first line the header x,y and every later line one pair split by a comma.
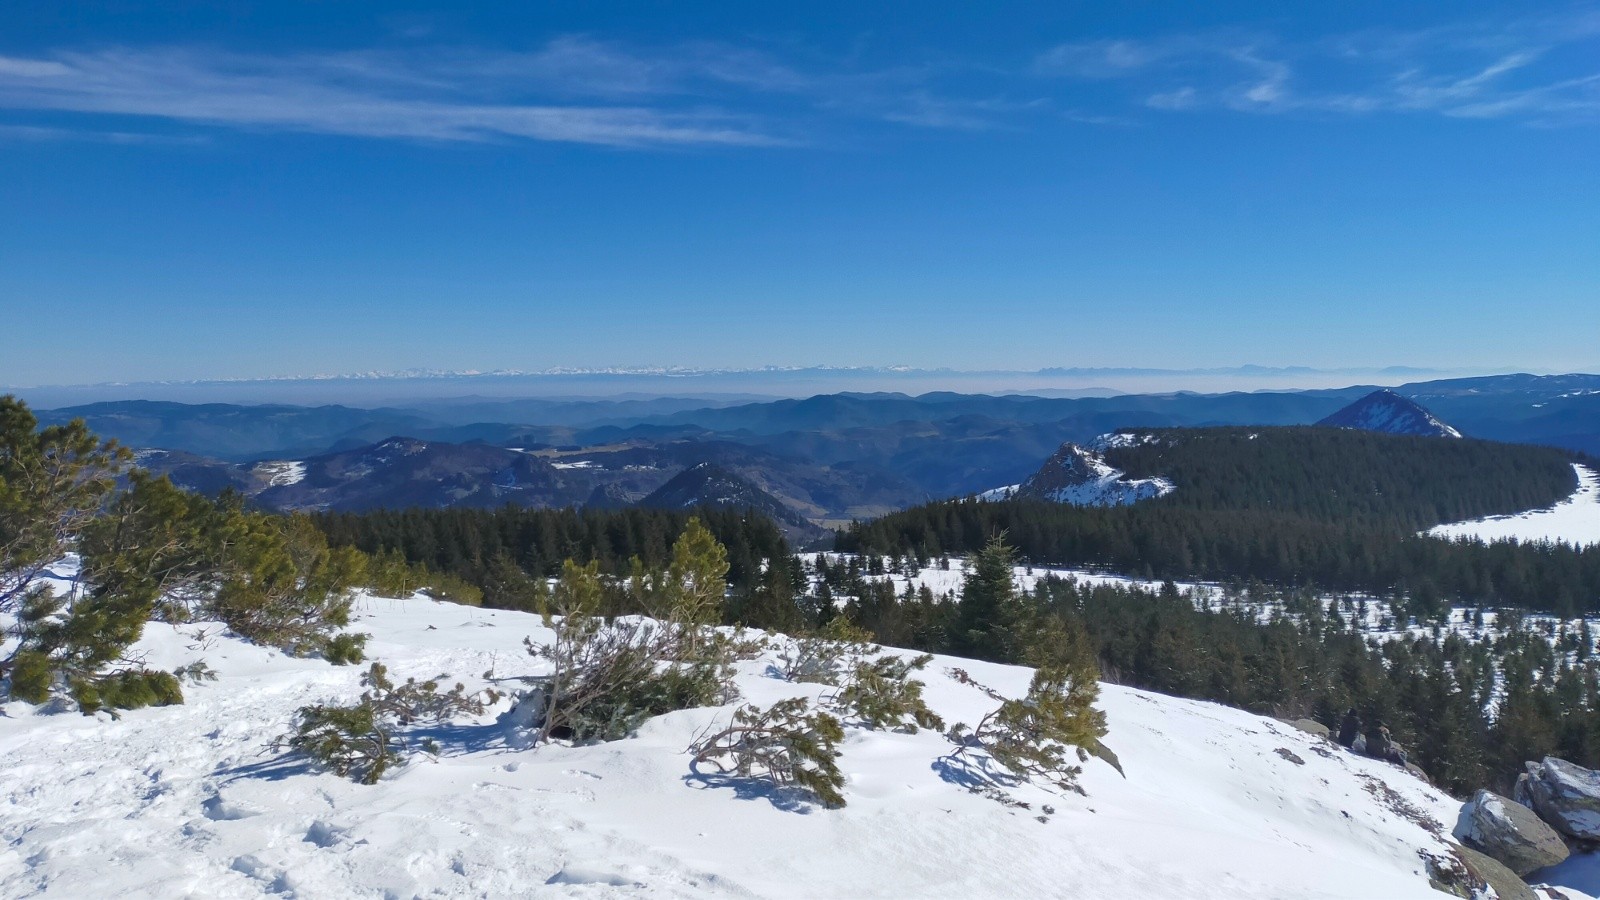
x,y
573,89
1100,58
44,133
370,95
1537,70
585,89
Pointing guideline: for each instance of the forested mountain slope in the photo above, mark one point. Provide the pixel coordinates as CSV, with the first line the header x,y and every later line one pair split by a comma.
x,y
1339,509
1337,475
1388,412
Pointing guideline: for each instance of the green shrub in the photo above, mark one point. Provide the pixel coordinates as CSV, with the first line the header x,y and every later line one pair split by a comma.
x,y
609,675
32,676
448,588
148,550
1032,737
784,744
821,658
364,740
346,740
128,689
881,694
346,649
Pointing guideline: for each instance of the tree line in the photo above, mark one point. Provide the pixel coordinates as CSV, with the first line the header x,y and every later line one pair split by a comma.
x,y
500,554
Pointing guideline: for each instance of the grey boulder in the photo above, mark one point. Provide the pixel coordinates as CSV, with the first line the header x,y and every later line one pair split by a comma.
x,y
1565,795
1310,726
1509,832
1505,882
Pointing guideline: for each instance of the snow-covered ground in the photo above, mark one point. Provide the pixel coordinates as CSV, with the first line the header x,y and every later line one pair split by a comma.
x,y
1575,520
188,801
945,580
1370,614
281,472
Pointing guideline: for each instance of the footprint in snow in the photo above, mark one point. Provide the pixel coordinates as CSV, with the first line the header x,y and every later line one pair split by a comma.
x,y
323,835
581,874
219,810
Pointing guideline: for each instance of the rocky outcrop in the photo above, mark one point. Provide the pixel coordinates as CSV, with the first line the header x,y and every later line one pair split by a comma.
x,y
1509,832
1486,869
1565,795
1082,477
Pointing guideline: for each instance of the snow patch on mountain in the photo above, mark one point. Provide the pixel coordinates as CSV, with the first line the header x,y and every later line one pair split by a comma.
x,y
1121,439
188,801
278,473
1575,520
1081,477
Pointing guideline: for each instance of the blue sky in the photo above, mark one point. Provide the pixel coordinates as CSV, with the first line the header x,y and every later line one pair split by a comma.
x,y
251,189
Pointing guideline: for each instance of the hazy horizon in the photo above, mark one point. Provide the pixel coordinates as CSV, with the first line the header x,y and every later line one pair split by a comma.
x,y
730,385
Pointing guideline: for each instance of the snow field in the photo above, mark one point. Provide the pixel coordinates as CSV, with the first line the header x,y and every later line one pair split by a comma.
x,y
282,473
187,801
1575,520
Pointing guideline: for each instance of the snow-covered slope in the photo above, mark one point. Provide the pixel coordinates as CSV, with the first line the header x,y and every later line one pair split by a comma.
x,y
1575,520
1083,478
1390,413
188,801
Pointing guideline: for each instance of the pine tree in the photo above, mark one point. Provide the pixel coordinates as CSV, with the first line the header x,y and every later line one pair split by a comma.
x,y
988,598
53,481
697,579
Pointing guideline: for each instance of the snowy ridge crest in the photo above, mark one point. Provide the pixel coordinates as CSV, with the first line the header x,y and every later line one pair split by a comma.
x,y
1082,477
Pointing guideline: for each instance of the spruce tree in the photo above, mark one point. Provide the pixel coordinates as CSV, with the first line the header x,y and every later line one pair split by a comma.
x,y
988,599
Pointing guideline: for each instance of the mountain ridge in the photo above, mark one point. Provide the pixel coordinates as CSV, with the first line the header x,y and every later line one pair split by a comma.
x,y
1389,413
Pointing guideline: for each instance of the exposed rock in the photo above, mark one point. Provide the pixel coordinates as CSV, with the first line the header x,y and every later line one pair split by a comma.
x,y
1505,882
1417,770
1466,873
1082,477
1509,832
1289,755
1311,726
1520,792
1565,795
